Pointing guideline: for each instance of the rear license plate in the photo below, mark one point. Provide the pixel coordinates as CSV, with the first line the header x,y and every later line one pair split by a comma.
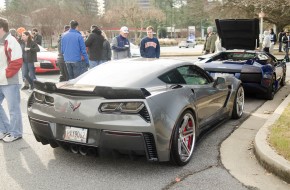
x,y
36,64
75,134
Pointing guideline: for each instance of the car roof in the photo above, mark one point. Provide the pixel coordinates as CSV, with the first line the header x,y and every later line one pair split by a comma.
x,y
139,72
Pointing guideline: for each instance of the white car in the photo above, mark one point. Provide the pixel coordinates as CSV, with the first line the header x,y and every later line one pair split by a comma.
x,y
187,44
135,50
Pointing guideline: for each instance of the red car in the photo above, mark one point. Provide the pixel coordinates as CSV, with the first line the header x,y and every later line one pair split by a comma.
x,y
46,61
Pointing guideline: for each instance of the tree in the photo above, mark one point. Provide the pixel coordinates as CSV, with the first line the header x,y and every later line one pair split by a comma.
x,y
51,15
133,16
276,11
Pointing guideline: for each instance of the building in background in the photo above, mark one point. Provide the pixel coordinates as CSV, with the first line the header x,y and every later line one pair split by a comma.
x,y
142,3
91,6
7,3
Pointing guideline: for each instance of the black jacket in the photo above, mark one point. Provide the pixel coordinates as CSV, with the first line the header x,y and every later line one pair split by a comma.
x,y
107,52
37,39
95,45
30,56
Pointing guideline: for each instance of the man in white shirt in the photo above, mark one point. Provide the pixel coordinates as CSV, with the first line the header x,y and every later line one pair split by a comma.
x,y
11,128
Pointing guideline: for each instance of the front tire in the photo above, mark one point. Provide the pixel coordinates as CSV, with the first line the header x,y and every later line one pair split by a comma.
x,y
239,103
183,141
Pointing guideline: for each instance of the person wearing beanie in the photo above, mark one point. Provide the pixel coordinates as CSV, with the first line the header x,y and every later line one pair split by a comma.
x,y
94,42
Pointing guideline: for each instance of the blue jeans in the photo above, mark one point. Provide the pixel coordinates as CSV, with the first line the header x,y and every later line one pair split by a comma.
x,y
76,69
94,63
28,72
12,94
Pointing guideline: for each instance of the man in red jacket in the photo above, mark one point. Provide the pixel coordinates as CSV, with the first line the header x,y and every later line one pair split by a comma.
x,y
11,128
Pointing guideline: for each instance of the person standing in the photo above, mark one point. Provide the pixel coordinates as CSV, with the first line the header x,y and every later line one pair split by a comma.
x,y
94,42
107,52
60,62
19,31
150,47
209,45
37,38
121,44
280,36
273,39
266,42
29,51
11,128
73,49
286,41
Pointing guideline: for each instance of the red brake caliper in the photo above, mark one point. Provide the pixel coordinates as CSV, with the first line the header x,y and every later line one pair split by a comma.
x,y
189,139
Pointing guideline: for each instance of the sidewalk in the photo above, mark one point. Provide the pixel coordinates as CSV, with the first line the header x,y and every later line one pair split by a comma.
x,y
267,157
247,147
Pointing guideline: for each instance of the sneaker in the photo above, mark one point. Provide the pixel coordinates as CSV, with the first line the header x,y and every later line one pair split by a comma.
x,y
2,135
10,138
25,88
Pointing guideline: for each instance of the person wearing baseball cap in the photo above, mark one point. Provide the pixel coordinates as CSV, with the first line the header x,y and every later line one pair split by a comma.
x,y
121,44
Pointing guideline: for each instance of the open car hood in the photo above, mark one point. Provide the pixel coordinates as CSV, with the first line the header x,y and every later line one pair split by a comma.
x,y
238,33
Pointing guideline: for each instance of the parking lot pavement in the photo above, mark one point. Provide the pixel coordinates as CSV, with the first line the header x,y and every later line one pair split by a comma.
x,y
237,151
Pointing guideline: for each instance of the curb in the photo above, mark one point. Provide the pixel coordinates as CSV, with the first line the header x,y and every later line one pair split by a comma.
x,y
267,157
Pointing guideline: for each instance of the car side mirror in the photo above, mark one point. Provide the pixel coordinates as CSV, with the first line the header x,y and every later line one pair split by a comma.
x,y
218,81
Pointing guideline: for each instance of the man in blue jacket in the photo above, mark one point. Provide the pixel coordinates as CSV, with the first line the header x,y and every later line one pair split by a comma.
x,y
150,47
74,51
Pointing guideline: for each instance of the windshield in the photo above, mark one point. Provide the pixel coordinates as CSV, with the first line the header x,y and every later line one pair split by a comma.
x,y
235,56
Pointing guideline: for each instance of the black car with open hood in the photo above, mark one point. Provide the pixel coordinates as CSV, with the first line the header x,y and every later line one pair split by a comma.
x,y
238,33
261,72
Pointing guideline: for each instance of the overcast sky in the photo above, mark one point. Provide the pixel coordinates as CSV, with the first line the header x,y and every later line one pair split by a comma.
x,y
1,3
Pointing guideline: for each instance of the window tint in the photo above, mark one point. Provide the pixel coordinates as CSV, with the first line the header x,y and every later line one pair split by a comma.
x,y
239,56
172,77
190,75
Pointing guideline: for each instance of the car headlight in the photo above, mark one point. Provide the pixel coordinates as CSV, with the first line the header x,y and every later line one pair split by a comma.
x,y
121,107
39,97
43,99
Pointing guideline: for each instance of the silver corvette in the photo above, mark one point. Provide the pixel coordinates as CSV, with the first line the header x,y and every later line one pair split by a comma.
x,y
156,108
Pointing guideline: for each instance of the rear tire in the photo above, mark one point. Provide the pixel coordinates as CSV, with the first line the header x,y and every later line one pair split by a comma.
x,y
271,90
183,140
283,81
239,103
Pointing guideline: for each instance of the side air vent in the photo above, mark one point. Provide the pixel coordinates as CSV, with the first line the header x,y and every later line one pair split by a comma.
x,y
150,146
144,114
31,100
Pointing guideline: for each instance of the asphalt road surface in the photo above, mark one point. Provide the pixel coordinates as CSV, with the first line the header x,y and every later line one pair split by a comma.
x,y
27,164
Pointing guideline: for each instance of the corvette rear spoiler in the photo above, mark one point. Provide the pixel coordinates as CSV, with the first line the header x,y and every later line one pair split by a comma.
x,y
100,91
